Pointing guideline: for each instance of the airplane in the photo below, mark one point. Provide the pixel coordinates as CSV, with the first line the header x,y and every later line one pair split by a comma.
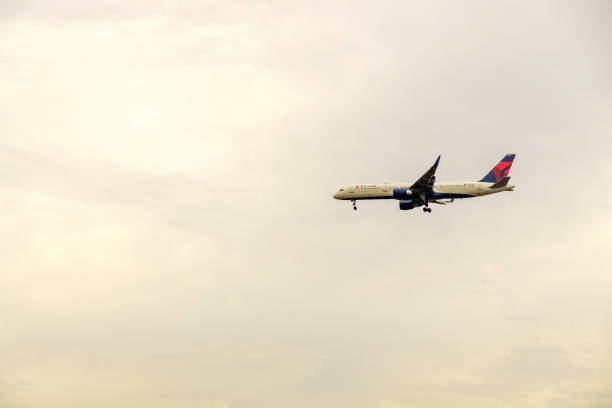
x,y
427,190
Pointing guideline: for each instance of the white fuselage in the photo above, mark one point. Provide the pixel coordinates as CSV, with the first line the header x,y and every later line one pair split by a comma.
x,y
442,190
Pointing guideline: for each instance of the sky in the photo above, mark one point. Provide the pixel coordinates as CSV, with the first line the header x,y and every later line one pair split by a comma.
x,y
169,239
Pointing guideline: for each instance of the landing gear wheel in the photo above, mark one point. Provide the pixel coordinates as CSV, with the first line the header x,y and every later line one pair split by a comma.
x,y
355,208
354,204
425,209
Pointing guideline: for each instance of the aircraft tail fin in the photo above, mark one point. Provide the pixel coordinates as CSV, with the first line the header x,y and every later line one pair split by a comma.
x,y
500,171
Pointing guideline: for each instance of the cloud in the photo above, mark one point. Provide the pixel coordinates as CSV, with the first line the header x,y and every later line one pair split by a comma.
x,y
391,404
203,403
169,237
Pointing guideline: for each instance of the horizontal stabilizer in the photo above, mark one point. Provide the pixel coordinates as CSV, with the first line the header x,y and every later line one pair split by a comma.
x,y
501,183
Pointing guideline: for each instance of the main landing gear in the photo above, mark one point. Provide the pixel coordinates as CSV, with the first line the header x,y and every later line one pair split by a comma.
x,y
426,209
354,204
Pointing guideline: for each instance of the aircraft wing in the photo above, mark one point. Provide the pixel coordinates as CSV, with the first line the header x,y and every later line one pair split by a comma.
x,y
442,202
439,202
424,185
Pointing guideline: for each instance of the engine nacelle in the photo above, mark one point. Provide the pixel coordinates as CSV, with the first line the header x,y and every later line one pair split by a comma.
x,y
406,205
401,193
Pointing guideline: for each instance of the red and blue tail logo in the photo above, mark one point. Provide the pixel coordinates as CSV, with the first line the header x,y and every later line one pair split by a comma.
x,y
500,171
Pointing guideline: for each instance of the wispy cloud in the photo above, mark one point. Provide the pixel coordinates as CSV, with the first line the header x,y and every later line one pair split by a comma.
x,y
169,237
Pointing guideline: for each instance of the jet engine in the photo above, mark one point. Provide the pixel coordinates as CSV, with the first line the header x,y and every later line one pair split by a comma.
x,y
401,193
406,205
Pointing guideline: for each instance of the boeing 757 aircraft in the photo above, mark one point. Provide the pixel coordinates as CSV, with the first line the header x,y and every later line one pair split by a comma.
x,y
426,190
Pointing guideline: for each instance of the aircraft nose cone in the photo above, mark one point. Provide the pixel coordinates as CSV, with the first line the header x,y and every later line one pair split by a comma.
x,y
335,196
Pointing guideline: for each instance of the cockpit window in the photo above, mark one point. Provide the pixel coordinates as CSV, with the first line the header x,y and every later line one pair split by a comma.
x,y
341,189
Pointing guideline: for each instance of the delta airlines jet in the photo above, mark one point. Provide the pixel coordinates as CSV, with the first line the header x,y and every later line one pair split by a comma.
x,y
427,190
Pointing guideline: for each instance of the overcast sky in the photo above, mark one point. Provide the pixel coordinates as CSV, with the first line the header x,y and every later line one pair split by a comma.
x,y
169,239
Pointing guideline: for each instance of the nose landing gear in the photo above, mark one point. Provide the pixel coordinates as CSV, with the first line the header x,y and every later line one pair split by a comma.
x,y
354,204
426,209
